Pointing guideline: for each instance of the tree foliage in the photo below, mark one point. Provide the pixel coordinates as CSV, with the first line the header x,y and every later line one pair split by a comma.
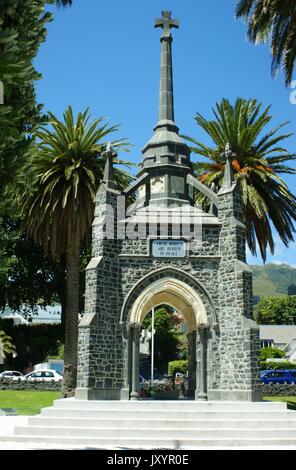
x,y
273,20
269,352
276,311
64,174
23,29
66,168
166,339
259,160
5,342
177,366
64,3
33,343
27,277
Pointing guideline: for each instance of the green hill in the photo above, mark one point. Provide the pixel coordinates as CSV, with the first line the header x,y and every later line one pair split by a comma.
x,y
274,280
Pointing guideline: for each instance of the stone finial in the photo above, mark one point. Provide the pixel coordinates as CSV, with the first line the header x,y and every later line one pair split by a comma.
x,y
213,207
228,172
213,187
108,178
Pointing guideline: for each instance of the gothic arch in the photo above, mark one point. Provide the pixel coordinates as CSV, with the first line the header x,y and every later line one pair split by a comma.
x,y
174,287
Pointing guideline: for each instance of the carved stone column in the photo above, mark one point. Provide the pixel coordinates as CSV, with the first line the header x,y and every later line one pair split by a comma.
x,y
135,361
191,364
127,334
201,394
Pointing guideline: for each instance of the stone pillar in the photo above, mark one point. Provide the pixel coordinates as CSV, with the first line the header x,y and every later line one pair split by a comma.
x,y
238,372
191,364
135,361
201,394
127,373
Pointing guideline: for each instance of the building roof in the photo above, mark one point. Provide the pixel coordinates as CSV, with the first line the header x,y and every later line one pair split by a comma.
x,y
281,334
49,314
186,215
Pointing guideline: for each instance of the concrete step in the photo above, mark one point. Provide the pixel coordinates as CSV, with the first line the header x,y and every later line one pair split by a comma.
x,y
163,414
131,423
178,405
159,425
168,433
155,443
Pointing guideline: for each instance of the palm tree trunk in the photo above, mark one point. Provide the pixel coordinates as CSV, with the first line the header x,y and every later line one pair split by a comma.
x,y
71,320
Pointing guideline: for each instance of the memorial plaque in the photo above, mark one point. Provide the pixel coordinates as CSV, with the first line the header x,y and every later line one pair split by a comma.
x,y
168,248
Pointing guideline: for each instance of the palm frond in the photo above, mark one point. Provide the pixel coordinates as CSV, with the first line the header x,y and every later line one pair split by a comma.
x,y
273,20
258,165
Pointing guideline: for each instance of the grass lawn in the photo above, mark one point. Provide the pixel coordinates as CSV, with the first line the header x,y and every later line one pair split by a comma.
x,y
27,402
290,400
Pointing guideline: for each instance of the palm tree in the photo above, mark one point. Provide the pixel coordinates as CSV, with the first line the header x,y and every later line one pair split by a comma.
x,y
274,19
64,3
259,160
5,342
66,171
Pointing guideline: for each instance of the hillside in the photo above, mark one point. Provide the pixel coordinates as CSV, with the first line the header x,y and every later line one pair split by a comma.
x,y
274,280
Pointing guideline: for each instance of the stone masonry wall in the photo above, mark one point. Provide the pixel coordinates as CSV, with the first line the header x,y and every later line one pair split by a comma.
x,y
239,338
216,270
277,390
100,358
26,385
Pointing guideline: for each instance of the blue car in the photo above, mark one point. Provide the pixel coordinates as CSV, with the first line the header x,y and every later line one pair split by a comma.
x,y
278,376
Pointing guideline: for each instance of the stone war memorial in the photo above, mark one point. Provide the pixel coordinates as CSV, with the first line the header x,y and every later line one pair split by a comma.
x,y
161,248
153,246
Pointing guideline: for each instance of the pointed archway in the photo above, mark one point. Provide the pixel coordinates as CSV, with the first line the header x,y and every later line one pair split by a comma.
x,y
180,291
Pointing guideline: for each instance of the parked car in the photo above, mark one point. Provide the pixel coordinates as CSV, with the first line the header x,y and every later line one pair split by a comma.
x,y
11,374
278,376
47,375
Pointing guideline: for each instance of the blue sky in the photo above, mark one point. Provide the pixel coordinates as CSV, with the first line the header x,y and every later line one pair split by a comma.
x,y
105,55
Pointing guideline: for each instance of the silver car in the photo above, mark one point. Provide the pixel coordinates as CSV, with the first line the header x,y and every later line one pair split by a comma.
x,y
11,375
44,375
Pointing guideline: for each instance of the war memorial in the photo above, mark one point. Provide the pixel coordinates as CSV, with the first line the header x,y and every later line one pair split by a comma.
x,y
153,245
167,250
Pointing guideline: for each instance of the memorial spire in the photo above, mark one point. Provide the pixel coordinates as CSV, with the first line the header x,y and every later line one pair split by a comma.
x,y
166,92
166,146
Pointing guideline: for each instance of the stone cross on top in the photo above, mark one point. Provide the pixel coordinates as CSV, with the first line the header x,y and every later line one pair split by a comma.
x,y
227,151
166,22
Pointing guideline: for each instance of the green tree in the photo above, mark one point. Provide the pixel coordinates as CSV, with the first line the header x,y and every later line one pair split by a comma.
x,y
177,366
269,352
64,3
273,20
259,160
7,346
276,311
66,171
28,279
33,343
22,30
166,339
